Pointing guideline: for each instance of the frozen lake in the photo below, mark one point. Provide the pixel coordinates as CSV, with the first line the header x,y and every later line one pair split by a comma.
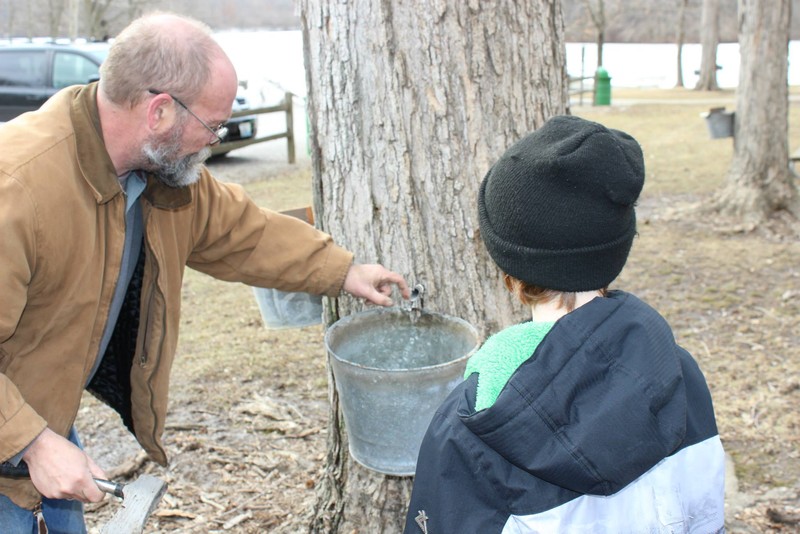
x,y
656,65
272,61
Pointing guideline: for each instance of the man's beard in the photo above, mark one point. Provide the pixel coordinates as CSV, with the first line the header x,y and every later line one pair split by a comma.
x,y
162,159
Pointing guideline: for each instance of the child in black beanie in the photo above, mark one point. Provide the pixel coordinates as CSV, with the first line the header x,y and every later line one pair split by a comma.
x,y
589,418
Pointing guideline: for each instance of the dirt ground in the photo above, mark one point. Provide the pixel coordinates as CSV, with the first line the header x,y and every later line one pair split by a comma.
x,y
247,424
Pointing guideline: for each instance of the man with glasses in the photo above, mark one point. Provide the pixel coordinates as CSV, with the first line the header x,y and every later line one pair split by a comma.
x,y
219,132
104,200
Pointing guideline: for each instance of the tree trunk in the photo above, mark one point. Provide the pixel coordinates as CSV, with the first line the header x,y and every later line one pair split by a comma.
x,y
409,105
9,19
93,14
709,39
601,39
680,36
73,24
760,182
598,17
55,12
29,26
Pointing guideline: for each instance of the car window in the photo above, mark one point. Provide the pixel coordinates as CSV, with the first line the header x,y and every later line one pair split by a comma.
x,y
71,69
23,68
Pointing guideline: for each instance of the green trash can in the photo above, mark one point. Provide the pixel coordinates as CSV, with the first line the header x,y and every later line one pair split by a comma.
x,y
602,87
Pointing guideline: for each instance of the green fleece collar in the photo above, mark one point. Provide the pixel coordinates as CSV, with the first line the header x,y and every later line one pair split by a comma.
x,y
500,356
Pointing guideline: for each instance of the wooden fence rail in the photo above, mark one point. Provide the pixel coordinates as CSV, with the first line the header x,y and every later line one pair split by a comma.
x,y
284,107
578,86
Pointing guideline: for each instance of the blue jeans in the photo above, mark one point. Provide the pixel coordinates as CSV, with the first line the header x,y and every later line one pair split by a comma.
x,y
61,515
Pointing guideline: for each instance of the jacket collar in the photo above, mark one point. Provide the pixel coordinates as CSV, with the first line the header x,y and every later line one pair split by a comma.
x,y
601,401
96,164
165,197
93,159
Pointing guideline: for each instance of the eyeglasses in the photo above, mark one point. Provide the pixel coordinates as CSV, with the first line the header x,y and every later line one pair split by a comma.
x,y
219,132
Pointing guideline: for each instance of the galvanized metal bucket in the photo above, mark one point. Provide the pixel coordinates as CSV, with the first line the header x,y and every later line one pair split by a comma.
x,y
281,309
720,123
393,368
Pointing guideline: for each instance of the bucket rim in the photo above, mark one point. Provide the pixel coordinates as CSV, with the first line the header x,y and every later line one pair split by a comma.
x,y
393,309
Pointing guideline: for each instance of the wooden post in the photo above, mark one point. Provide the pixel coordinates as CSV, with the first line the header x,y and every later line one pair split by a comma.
x,y
289,126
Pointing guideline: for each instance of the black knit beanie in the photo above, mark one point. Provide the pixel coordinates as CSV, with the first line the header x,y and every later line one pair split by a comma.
x,y
557,209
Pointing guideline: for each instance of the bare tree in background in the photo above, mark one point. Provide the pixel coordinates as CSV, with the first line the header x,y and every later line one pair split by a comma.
x,y
28,13
93,19
8,18
93,16
135,9
680,36
9,10
709,40
760,183
597,13
408,109
54,12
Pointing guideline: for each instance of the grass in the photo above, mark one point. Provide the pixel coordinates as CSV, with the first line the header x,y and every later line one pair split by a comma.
x,y
222,331
679,155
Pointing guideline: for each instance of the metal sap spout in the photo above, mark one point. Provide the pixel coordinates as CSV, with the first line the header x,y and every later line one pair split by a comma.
x,y
417,295
416,302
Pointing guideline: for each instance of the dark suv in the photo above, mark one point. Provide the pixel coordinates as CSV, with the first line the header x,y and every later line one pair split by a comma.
x,y
32,73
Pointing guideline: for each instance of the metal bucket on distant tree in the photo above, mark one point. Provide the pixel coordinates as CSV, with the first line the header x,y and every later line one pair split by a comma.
x,y
720,122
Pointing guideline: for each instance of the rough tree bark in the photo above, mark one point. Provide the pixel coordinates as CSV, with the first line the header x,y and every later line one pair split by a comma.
x,y
409,104
680,35
709,40
760,181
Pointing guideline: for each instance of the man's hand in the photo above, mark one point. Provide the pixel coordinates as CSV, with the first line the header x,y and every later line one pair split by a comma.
x,y
374,283
60,470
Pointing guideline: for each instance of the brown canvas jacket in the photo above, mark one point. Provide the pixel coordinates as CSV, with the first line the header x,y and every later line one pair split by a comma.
x,y
61,240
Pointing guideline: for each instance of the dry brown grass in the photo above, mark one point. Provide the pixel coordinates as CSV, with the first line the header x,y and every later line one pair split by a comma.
x,y
679,155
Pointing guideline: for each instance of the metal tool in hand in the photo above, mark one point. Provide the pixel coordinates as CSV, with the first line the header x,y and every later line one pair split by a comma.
x,y
112,488
21,471
140,498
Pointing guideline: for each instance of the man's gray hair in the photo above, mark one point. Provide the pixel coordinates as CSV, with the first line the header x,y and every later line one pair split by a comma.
x,y
161,51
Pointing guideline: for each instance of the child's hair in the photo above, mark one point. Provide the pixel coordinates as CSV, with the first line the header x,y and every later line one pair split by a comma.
x,y
530,295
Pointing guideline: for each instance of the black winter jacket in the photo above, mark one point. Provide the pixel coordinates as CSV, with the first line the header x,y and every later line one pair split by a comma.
x,y
607,428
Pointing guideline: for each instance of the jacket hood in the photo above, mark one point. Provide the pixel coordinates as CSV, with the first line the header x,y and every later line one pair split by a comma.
x,y
601,401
